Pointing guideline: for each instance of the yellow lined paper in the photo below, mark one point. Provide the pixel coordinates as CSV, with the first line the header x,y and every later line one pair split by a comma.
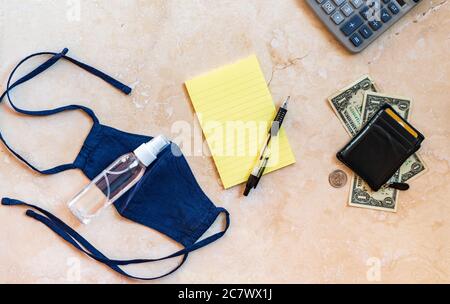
x,y
235,110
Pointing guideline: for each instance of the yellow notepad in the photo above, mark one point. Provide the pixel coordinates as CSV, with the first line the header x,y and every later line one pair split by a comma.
x,y
235,109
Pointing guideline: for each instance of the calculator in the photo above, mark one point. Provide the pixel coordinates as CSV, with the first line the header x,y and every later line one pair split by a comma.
x,y
357,23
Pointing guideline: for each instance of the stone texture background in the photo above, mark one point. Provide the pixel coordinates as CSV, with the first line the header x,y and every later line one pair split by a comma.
x,y
302,233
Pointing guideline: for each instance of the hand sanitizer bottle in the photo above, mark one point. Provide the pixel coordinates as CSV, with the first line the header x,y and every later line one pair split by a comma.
x,y
115,180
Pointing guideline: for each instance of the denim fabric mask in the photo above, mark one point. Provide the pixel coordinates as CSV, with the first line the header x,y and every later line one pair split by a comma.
x,y
167,198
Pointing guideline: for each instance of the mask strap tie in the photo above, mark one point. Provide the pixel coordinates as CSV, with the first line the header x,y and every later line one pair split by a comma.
x,y
41,68
76,240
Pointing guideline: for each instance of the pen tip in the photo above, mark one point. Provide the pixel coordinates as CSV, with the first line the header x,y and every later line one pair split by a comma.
x,y
247,191
286,103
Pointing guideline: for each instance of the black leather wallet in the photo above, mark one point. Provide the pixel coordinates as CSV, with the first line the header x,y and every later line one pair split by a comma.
x,y
381,147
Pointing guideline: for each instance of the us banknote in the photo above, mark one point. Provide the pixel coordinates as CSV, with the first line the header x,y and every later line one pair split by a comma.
x,y
348,104
360,194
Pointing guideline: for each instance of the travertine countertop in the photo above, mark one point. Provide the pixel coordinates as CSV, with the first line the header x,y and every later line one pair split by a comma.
x,y
301,233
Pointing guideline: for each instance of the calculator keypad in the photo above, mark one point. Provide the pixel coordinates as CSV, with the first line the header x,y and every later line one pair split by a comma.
x,y
328,7
347,9
352,25
338,18
356,39
375,25
385,16
393,8
357,3
358,20
365,31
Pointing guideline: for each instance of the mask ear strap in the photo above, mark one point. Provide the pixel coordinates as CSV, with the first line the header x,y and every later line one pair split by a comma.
x,y
77,241
41,68
71,236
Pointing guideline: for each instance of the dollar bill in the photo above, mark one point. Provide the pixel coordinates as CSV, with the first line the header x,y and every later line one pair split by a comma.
x,y
347,103
386,198
348,106
414,166
360,194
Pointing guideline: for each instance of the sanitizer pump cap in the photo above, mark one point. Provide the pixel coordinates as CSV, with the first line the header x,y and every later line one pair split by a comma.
x,y
147,153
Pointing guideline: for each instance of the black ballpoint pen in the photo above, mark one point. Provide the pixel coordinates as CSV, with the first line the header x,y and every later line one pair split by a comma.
x,y
259,169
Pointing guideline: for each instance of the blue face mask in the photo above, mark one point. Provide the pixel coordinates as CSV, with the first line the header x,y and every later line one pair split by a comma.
x,y
167,199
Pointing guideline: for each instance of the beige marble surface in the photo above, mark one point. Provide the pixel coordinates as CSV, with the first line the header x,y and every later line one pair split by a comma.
x,y
302,233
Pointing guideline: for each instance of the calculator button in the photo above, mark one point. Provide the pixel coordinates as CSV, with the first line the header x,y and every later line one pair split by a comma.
x,y
356,40
393,8
319,1
347,9
375,6
338,2
364,12
375,25
352,25
370,13
365,31
385,16
328,7
357,3
338,18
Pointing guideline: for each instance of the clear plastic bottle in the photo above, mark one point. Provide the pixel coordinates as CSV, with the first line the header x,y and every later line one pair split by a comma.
x,y
115,180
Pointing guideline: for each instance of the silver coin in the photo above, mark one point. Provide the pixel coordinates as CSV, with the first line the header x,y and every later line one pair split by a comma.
x,y
338,179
